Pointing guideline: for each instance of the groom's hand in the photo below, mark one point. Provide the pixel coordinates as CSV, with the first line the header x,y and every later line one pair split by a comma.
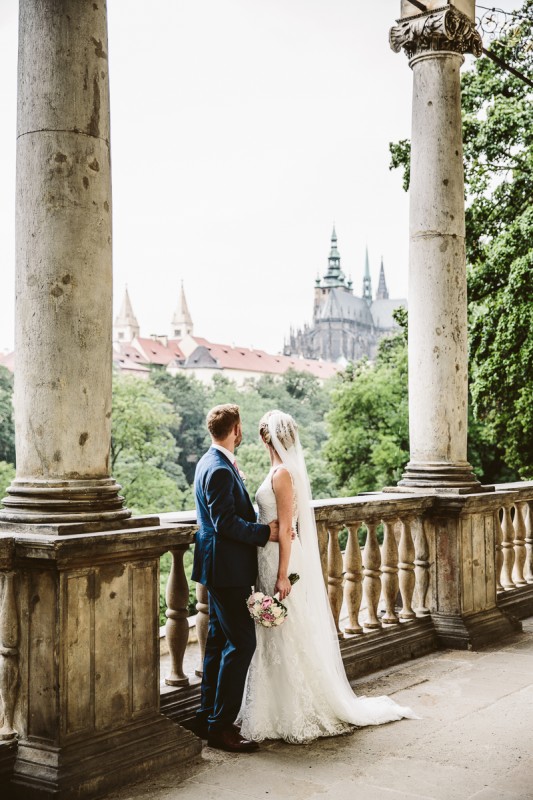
x,y
274,531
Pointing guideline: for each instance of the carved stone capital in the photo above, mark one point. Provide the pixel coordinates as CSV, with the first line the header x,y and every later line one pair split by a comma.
x,y
443,30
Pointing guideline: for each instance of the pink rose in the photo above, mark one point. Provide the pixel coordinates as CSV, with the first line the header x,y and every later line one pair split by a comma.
x,y
268,616
267,602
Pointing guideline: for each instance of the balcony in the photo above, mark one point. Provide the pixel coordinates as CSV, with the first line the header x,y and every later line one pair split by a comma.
x,y
433,571
388,594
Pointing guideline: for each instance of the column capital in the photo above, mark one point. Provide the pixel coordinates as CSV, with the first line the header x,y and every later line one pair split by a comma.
x,y
443,30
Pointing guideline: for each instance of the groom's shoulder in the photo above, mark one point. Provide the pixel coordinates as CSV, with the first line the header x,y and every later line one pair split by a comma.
x,y
211,460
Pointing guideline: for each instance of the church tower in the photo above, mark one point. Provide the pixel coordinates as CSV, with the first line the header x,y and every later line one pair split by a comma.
x,y
334,276
382,292
126,327
367,282
181,324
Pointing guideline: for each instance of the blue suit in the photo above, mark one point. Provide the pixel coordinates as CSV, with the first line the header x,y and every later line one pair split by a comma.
x,y
225,561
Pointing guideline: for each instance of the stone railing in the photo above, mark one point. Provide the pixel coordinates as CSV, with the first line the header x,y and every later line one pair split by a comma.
x,y
9,641
9,658
382,596
367,581
514,548
375,575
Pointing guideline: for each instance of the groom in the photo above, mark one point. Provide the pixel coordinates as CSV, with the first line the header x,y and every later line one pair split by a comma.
x,y
225,561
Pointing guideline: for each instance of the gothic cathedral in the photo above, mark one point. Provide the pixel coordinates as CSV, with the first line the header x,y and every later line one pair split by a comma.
x,y
345,327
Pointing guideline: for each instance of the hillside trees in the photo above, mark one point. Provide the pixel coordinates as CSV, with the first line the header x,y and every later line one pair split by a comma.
x,y
7,426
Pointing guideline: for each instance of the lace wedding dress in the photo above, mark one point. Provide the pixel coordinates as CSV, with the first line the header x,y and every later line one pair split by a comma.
x,y
296,688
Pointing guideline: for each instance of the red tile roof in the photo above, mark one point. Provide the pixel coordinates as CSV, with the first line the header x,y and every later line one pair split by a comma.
x,y
7,360
158,353
246,359
129,358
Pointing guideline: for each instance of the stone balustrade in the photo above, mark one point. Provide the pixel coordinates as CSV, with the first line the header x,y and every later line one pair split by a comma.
x,y
380,586
514,548
371,578
375,575
382,595
9,644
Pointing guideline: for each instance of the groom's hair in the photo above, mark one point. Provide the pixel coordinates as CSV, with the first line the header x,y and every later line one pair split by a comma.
x,y
222,419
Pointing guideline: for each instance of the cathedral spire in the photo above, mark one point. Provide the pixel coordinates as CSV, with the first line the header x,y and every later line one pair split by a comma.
x,y
367,281
334,275
181,324
382,292
126,327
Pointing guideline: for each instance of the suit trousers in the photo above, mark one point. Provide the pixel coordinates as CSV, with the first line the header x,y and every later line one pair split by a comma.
x,y
229,650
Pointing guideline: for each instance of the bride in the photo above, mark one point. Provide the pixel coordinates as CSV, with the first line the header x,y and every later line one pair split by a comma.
x,y
296,687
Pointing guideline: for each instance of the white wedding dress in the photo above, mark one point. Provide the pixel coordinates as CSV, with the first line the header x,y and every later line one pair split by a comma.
x,y
296,688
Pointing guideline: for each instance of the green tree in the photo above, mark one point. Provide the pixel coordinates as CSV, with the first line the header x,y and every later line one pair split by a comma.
x,y
188,398
368,446
144,455
142,417
150,490
300,395
7,473
498,157
7,426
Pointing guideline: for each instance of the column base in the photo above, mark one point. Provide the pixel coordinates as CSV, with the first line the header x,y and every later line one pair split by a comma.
x,y
95,766
52,501
468,632
440,477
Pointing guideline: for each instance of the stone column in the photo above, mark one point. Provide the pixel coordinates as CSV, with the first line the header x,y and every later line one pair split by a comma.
x,y
82,574
461,525
64,272
438,358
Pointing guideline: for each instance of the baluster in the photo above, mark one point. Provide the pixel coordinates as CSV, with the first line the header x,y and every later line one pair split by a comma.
x,y
202,623
528,570
177,627
389,573
322,534
498,539
519,546
9,668
421,568
335,576
407,570
372,575
353,586
507,548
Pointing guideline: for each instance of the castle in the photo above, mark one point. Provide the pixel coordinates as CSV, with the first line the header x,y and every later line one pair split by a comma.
x,y
345,327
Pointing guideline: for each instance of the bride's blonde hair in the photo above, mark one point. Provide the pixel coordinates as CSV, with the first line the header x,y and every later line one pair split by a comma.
x,y
285,428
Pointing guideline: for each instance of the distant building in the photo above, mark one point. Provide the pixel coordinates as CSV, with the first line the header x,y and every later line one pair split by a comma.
x,y
126,326
345,327
183,352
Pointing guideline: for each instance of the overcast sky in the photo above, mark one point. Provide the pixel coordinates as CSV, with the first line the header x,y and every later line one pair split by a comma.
x,y
241,130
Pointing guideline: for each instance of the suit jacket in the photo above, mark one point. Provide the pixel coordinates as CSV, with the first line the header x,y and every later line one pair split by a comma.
x,y
225,553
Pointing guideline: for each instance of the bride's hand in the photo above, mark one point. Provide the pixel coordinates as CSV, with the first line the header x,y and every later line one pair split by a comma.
x,y
283,588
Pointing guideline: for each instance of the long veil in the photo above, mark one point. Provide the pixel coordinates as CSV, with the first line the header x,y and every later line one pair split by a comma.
x,y
345,704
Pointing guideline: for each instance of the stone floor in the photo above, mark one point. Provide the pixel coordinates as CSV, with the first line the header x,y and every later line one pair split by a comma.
x,y
474,741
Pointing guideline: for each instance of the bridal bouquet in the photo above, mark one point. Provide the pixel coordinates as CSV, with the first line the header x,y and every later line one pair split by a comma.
x,y
266,610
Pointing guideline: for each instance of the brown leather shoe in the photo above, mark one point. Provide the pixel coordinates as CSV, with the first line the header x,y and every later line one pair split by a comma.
x,y
232,741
